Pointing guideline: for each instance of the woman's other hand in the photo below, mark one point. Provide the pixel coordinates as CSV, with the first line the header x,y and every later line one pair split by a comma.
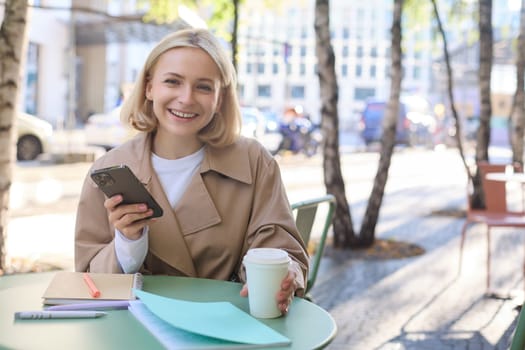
x,y
285,295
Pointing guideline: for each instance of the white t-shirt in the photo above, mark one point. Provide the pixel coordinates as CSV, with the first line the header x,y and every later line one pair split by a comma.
x,y
175,176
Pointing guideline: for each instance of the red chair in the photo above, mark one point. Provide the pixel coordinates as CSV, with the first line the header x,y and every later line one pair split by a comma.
x,y
495,214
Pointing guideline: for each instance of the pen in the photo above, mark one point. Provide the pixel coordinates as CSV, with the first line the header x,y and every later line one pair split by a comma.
x,y
95,305
37,315
93,290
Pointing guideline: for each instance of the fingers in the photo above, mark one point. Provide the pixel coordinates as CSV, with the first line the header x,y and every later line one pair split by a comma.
x,y
129,219
286,294
244,291
111,203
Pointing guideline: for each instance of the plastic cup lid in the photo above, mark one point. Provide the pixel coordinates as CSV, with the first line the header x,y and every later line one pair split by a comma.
x,y
266,256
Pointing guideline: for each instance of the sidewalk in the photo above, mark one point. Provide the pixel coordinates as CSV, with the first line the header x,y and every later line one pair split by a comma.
x,y
423,302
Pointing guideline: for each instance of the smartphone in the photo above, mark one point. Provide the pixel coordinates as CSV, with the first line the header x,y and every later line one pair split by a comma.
x,y
120,179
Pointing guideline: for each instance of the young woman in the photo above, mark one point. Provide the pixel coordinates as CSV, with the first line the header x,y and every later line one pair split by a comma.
x,y
222,194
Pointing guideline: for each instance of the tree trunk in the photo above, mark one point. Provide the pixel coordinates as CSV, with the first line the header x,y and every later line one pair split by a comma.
x,y
344,236
12,34
450,89
235,30
367,234
518,115
485,67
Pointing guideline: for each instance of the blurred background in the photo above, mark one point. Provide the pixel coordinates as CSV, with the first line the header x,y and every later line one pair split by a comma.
x,y
83,57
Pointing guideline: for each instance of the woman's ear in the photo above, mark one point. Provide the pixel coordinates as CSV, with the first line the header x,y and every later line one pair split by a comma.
x,y
219,99
148,91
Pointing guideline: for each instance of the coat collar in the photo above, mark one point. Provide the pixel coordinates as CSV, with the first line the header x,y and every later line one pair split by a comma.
x,y
232,161
196,209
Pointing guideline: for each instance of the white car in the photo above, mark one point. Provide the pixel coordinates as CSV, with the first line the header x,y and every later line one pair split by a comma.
x,y
33,136
106,130
255,125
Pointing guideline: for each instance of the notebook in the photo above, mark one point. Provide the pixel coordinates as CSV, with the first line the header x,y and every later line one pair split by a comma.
x,y
180,324
69,287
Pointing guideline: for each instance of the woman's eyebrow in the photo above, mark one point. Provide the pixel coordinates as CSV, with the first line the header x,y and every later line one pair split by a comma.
x,y
171,74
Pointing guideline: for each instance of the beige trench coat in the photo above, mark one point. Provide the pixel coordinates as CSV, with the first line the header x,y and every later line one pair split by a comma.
x,y
235,202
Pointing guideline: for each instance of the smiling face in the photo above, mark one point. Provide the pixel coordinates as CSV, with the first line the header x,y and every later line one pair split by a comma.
x,y
185,89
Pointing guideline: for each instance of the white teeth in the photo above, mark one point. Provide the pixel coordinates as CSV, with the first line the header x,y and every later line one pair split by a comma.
x,y
181,114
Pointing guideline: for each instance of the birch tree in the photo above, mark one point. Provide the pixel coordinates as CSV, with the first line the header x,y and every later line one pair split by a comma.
x,y
12,39
344,234
518,115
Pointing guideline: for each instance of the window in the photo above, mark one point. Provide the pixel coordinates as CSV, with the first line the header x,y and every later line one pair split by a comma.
x,y
240,89
260,68
297,91
362,94
372,71
358,70
303,51
344,70
345,51
302,69
359,52
373,52
30,98
248,68
275,68
346,33
264,91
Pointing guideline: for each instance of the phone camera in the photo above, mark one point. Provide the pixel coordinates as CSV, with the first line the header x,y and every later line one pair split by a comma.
x,y
104,179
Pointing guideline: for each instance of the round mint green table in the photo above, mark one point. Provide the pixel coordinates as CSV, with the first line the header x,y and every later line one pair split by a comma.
x,y
307,325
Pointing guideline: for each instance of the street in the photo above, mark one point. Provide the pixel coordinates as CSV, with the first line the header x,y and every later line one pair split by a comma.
x,y
44,196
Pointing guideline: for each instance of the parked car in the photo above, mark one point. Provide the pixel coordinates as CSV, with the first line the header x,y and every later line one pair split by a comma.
x,y
371,124
33,136
106,130
255,124
415,123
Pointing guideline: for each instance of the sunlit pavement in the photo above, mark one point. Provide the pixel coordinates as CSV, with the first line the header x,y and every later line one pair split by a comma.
x,y
413,303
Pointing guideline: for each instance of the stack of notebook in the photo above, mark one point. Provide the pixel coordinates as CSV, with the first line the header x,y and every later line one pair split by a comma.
x,y
68,287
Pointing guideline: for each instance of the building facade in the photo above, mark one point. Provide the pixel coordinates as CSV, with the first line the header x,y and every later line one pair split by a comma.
x,y
75,70
278,66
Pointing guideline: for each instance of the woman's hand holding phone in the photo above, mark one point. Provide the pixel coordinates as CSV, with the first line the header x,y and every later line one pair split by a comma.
x,y
129,219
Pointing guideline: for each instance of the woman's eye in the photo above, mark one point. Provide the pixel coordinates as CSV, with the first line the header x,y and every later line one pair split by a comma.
x,y
205,88
172,81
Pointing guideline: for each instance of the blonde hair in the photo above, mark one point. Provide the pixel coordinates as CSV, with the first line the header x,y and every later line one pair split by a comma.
x,y
224,128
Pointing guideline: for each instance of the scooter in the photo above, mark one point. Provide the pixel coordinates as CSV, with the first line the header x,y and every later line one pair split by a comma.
x,y
300,135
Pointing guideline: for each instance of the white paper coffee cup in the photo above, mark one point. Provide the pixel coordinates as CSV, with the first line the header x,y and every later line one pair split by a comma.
x,y
265,270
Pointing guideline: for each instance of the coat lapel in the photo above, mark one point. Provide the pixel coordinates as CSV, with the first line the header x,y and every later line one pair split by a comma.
x,y
168,243
196,210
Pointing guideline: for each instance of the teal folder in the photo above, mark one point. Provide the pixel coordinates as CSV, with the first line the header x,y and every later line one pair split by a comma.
x,y
180,324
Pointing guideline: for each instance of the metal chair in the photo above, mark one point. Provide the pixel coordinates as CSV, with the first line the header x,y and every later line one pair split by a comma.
x,y
494,215
518,339
306,213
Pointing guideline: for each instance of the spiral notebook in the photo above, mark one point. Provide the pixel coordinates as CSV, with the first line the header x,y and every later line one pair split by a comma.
x,y
68,287
187,325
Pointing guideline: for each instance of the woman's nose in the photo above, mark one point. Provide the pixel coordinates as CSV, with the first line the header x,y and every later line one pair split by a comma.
x,y
186,94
